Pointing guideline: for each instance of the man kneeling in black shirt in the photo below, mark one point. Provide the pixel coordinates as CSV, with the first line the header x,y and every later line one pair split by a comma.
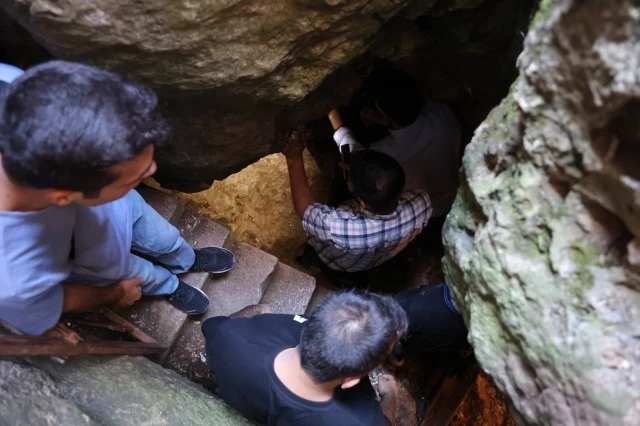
x,y
287,370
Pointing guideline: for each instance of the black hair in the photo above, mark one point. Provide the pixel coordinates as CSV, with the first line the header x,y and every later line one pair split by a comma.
x,y
63,125
350,333
397,95
377,179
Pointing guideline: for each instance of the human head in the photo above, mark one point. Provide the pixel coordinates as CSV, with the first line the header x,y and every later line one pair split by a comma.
x,y
376,179
348,334
397,97
77,133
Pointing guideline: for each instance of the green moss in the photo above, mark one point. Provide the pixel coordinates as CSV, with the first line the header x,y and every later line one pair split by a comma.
x,y
544,11
584,256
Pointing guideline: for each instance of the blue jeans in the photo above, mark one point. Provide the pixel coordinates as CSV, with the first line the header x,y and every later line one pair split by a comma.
x,y
158,252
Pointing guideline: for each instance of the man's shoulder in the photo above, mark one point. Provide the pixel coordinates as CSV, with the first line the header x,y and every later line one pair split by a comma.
x,y
415,195
326,217
440,113
436,106
248,328
416,200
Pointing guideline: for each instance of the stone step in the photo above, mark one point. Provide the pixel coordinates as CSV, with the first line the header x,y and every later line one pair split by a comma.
x,y
242,286
319,294
289,290
168,207
154,315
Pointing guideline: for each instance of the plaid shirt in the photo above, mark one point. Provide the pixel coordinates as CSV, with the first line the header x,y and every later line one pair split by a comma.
x,y
351,239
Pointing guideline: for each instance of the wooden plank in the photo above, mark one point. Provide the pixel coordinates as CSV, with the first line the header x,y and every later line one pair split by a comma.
x,y
62,332
11,345
451,394
130,328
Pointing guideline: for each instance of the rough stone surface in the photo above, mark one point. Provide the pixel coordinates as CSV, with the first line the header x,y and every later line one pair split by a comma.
x,y
115,391
541,244
235,76
255,204
279,50
244,285
289,290
168,207
319,294
154,315
30,397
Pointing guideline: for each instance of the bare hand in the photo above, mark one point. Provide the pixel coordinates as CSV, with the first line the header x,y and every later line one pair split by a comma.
x,y
131,291
294,147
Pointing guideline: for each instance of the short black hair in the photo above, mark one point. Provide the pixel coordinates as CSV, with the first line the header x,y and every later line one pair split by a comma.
x,y
63,125
350,333
377,179
397,95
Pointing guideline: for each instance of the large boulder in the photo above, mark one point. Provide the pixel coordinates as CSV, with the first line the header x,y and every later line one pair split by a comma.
x,y
235,76
127,391
543,242
278,50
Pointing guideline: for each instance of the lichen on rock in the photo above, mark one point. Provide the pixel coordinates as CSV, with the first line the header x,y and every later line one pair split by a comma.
x,y
105,391
540,241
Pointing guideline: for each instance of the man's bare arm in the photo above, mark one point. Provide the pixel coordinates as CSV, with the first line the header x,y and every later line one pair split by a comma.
x,y
388,389
300,189
335,119
82,297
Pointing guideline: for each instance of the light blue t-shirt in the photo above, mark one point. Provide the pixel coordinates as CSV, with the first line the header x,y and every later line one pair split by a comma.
x,y
34,260
102,243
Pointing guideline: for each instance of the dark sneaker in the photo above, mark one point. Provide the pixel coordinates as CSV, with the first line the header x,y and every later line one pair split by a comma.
x,y
213,259
189,299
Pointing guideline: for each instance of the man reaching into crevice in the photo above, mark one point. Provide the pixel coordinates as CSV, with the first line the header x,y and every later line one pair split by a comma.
x,y
361,234
424,140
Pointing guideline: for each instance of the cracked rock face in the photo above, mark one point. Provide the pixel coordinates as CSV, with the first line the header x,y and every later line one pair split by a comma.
x,y
278,50
126,391
543,242
224,69
234,76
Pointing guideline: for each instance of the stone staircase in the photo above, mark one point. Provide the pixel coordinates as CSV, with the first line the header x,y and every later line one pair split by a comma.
x,y
257,277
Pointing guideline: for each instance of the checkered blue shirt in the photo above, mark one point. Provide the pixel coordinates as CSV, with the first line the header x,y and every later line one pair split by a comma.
x,y
351,239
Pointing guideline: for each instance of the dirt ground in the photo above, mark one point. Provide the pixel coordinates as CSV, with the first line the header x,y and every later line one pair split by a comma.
x,y
256,205
483,406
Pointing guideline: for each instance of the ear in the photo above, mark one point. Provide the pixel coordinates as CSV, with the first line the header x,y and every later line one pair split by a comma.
x,y
361,202
63,197
350,382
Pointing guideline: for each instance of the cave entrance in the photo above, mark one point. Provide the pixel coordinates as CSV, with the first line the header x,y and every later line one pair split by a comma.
x,y
466,58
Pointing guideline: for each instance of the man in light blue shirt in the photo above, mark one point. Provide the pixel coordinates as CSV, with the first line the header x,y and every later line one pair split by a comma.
x,y
74,235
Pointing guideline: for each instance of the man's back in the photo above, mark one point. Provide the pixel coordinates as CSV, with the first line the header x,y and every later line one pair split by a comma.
x,y
241,353
428,151
350,238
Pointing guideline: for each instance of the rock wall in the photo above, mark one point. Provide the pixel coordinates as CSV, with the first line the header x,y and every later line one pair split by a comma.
x,y
236,75
127,391
543,242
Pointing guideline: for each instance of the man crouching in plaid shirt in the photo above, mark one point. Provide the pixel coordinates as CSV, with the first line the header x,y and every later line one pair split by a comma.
x,y
362,233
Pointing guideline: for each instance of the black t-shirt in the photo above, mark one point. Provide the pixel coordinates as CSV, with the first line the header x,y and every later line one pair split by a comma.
x,y
241,354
